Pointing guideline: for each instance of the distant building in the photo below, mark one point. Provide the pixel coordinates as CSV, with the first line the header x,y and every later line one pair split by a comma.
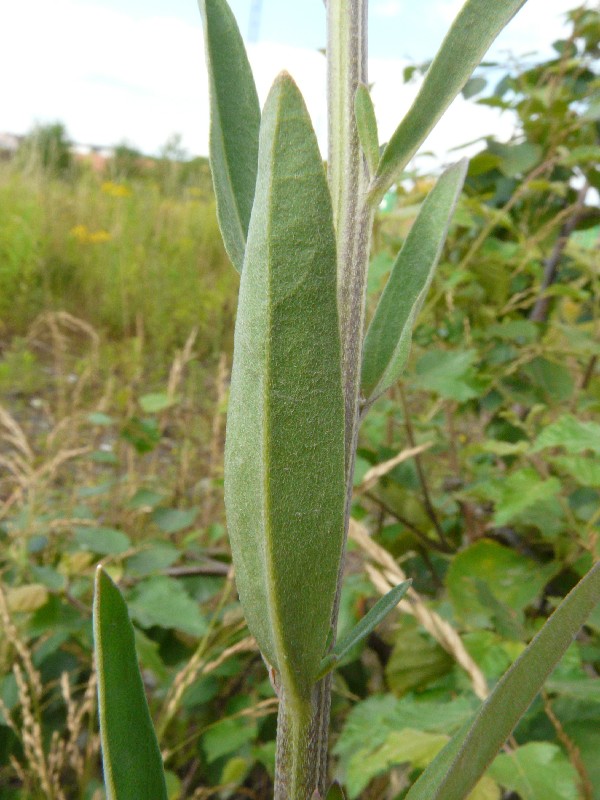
x,y
9,144
96,156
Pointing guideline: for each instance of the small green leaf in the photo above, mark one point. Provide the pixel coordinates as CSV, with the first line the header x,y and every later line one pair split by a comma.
x,y
130,754
173,520
472,32
103,541
473,87
416,660
388,339
227,736
152,558
516,159
156,402
163,601
143,434
284,453
234,125
363,628
98,418
335,792
456,770
366,124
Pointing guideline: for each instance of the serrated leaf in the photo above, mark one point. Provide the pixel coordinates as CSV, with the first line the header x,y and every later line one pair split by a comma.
x,y
537,769
513,579
284,455
163,601
520,491
449,373
405,746
234,125
572,434
388,339
363,628
585,470
472,32
458,767
130,754
366,124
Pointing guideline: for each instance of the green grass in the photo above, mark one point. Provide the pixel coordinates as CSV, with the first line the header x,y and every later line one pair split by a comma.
x,y
128,258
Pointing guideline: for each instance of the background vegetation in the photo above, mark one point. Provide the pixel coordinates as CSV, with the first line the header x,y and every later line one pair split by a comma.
x,y
478,476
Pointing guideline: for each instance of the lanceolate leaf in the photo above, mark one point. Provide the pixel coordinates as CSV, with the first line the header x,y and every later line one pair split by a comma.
x,y
387,343
471,34
130,754
363,628
366,123
234,125
284,455
458,767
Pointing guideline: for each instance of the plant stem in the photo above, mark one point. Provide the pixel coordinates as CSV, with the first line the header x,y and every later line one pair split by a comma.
x,y
301,767
348,179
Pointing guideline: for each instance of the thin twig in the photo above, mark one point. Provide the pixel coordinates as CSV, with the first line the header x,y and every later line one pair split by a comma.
x,y
539,312
431,513
585,784
421,535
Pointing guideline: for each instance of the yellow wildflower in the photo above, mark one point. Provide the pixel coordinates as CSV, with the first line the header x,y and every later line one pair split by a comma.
x,y
115,189
80,232
86,236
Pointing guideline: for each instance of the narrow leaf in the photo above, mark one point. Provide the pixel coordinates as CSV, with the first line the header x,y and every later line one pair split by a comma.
x,y
234,125
131,757
284,454
458,767
388,339
364,627
366,124
471,34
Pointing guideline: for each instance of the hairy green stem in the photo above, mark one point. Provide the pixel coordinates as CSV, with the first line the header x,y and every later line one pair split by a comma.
x,y
301,765
353,217
348,179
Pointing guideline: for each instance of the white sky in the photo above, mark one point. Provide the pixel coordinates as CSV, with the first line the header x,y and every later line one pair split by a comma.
x,y
115,70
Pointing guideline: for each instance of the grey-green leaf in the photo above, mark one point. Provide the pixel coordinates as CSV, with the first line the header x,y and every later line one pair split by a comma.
x,y
388,339
234,125
131,757
363,628
458,767
471,34
284,454
366,124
